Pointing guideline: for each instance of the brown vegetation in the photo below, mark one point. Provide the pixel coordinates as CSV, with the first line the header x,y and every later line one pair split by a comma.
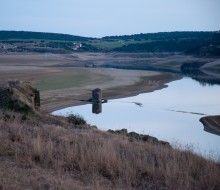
x,y
46,152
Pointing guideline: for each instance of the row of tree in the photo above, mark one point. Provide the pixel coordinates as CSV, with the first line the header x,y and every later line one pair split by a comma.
x,y
161,36
199,43
10,35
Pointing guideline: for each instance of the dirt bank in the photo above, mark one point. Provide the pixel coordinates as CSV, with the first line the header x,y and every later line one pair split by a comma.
x,y
120,83
65,80
211,124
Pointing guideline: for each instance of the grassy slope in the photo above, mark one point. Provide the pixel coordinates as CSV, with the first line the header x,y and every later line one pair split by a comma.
x,y
44,152
194,43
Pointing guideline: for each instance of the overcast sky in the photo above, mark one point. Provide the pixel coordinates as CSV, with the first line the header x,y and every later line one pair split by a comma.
x,y
97,18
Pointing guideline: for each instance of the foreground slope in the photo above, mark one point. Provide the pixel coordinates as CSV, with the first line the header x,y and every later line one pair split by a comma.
x,y
47,152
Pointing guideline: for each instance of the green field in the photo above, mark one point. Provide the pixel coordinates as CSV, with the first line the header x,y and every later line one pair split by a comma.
x,y
111,45
70,80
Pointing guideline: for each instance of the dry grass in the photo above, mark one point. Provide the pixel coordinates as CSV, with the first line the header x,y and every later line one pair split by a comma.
x,y
44,152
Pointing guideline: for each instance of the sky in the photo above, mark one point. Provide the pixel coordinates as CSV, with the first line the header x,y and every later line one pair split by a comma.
x,y
98,18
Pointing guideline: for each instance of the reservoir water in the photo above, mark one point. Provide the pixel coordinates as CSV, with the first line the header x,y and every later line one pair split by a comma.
x,y
171,114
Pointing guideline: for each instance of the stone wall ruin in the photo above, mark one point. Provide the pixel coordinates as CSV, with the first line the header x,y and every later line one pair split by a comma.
x,y
19,95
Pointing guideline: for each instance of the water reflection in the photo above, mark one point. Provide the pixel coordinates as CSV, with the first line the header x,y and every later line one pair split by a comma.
x,y
203,76
97,108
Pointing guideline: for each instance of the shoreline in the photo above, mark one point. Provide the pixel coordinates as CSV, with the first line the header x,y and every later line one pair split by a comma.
x,y
160,81
211,124
64,80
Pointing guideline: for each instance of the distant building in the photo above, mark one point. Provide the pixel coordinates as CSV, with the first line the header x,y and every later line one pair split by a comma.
x,y
76,46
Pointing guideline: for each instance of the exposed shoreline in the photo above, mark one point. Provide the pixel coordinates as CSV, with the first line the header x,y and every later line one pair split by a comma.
x,y
64,80
211,124
38,68
157,82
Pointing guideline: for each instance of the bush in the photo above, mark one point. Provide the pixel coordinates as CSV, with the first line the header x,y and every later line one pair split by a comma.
x,y
76,119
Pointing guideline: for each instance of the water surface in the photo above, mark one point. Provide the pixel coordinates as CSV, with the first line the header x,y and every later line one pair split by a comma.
x,y
171,114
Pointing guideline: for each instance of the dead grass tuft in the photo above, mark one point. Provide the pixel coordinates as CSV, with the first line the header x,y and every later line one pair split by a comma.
x,y
43,152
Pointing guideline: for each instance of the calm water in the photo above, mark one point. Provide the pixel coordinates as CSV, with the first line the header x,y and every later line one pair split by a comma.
x,y
155,114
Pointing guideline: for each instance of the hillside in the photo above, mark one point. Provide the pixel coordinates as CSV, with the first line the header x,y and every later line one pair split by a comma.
x,y
46,152
24,35
40,42
195,43
160,36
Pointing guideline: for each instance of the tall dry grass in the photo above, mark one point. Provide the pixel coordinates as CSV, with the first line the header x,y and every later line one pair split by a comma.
x,y
42,152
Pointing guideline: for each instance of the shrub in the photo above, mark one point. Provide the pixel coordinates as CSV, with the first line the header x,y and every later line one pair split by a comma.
x,y
76,119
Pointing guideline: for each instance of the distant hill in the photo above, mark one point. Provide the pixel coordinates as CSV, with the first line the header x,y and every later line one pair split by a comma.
x,y
40,42
22,35
194,43
197,43
163,36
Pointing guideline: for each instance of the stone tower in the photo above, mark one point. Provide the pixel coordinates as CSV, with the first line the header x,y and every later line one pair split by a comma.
x,y
97,95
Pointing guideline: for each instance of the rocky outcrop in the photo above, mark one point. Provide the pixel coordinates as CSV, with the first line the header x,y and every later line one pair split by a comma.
x,y
19,96
211,124
132,136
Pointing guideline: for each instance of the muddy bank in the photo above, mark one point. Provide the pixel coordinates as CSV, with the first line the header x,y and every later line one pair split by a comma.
x,y
145,83
65,80
211,124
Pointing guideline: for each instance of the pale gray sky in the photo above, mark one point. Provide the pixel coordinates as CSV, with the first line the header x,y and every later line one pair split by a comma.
x,y
97,18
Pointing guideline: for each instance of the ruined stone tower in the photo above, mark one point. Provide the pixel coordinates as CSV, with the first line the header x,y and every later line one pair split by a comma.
x,y
97,95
